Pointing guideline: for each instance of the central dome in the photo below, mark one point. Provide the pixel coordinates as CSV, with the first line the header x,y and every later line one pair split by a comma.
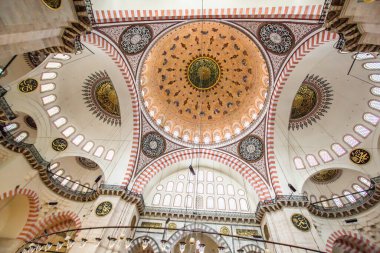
x,y
203,73
204,82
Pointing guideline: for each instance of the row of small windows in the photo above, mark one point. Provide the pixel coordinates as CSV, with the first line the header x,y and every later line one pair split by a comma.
x,y
211,203
369,65
201,176
347,194
58,175
338,149
55,110
19,137
220,189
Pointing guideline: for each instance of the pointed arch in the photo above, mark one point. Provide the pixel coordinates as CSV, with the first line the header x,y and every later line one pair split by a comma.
x,y
252,248
27,232
247,172
97,40
219,240
351,241
313,42
138,241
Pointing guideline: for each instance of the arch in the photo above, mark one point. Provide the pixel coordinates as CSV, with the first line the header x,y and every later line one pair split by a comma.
x,y
97,40
138,241
310,44
247,172
252,248
57,222
352,241
26,233
219,240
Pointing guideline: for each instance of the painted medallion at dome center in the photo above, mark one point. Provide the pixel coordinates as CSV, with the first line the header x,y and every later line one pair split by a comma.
x,y
204,82
203,73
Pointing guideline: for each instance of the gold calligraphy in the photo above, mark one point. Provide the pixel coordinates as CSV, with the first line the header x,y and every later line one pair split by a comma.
x,y
248,232
360,156
103,208
28,85
151,224
300,222
59,144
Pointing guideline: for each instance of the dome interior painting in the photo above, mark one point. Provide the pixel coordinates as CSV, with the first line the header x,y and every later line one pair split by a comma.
x,y
189,126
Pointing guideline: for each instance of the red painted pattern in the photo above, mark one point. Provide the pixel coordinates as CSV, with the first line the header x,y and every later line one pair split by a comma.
x,y
113,53
312,43
351,242
163,162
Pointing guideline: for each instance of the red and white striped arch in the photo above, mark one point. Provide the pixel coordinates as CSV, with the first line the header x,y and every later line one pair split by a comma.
x,y
26,233
351,242
312,43
97,40
307,12
248,173
57,222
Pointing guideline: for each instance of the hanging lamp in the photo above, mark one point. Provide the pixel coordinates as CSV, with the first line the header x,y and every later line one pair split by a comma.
x,y
127,242
202,247
182,246
221,249
164,244
145,243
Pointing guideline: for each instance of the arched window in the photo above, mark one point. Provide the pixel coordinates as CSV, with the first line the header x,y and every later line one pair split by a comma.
x,y
349,196
10,127
365,181
167,200
210,176
78,139
88,146
299,163
110,154
61,57
311,160
86,188
48,99
337,201
210,203
360,190
21,137
325,156
177,200
199,202
324,202
313,198
190,187
362,130
243,205
375,78
99,151
374,104
371,118
68,131
75,186
179,187
351,140
48,75
221,204
47,87
230,190
232,204
210,188
200,188
189,201
220,189
65,181
53,166
338,149
200,175
60,122
156,199
363,56
371,65
170,186
57,174
53,111
53,65
375,91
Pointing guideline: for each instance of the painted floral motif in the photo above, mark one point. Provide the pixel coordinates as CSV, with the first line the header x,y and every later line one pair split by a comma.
x,y
276,38
311,102
101,98
135,39
153,145
251,148
87,163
